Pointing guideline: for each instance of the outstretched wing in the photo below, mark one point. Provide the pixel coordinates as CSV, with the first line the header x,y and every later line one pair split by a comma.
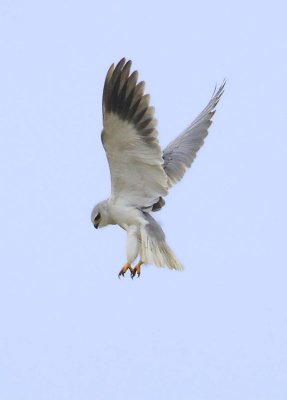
x,y
180,153
130,140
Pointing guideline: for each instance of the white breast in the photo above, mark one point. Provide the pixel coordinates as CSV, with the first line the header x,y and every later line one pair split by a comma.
x,y
126,216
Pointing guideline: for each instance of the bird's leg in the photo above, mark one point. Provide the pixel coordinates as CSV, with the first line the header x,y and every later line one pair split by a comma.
x,y
124,269
136,270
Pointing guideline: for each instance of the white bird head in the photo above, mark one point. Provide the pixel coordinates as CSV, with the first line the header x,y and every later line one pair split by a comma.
x,y
100,215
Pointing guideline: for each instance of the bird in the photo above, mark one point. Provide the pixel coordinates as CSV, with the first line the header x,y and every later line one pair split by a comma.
x,y
141,172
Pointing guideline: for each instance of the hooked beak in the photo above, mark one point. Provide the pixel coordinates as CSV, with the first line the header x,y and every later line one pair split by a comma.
x,y
96,225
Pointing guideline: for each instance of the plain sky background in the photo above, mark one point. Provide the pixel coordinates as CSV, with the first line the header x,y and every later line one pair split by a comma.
x,y
70,329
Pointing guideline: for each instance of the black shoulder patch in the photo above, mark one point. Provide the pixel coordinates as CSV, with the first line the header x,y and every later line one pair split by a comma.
x,y
158,205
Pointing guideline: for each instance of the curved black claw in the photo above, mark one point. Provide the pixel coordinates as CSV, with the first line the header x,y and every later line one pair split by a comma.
x,y
133,274
136,271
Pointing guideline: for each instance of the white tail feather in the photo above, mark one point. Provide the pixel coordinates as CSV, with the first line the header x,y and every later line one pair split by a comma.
x,y
158,252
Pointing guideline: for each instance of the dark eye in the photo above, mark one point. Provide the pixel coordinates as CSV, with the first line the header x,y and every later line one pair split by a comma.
x,y
97,218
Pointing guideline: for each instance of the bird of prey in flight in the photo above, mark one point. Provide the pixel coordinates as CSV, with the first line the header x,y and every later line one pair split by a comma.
x,y
142,173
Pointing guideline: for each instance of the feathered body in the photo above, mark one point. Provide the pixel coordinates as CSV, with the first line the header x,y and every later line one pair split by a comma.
x,y
145,236
141,173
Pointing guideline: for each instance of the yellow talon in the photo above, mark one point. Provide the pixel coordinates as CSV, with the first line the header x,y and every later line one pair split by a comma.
x,y
136,270
124,269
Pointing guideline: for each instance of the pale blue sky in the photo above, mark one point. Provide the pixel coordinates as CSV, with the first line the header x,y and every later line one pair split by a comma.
x,y
70,329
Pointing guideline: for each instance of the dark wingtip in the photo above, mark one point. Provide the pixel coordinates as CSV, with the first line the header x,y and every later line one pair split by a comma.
x,y
123,95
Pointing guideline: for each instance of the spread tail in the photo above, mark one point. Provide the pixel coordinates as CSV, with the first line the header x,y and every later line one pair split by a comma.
x,y
155,250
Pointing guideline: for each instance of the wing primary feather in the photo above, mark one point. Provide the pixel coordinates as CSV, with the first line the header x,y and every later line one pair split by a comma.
x,y
132,109
135,99
111,86
106,90
123,87
128,98
115,85
138,92
141,109
143,124
124,75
